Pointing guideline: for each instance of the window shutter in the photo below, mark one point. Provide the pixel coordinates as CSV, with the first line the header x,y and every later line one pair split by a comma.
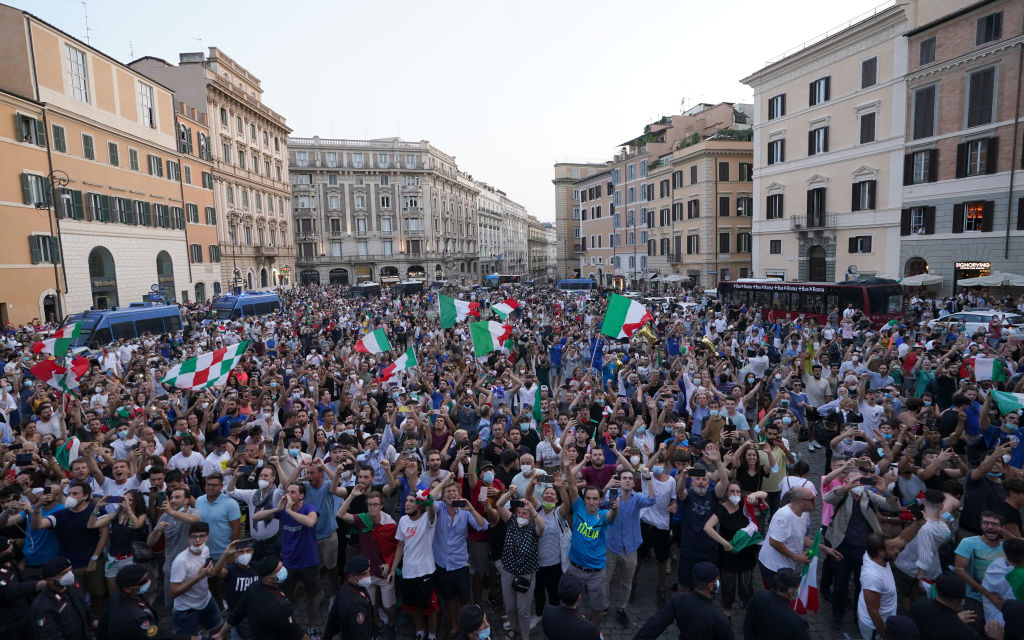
x,y
824,142
933,165
1020,214
908,169
771,110
78,205
905,222
855,197
961,160
105,207
872,188
810,94
929,220
26,189
988,215
867,244
853,244
22,125
992,155
958,217
55,256
810,201
782,107
828,88
34,249
723,206
40,133
782,150
810,143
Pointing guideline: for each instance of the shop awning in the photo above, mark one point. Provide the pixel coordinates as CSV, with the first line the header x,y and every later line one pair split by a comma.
x,y
922,280
995,279
675,277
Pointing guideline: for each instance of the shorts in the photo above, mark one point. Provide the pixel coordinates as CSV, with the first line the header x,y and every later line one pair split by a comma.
x,y
328,548
479,557
595,586
308,576
387,591
113,565
654,539
453,584
418,594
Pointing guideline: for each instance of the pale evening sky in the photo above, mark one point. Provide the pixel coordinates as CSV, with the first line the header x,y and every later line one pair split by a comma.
x,y
506,87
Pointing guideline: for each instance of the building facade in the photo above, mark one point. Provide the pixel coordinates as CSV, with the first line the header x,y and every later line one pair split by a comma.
x,y
962,209
250,170
569,248
828,147
194,145
594,194
116,185
383,211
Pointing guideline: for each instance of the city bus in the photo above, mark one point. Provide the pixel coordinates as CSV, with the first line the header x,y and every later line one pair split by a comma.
x,y
577,285
498,279
881,300
100,328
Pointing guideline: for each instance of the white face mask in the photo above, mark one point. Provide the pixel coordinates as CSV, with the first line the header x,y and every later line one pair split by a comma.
x,y
527,469
859,491
364,582
634,460
734,499
195,548
243,559
67,579
522,522
70,502
263,484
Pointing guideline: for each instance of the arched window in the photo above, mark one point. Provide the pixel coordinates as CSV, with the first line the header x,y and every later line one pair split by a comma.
x,y
165,275
102,278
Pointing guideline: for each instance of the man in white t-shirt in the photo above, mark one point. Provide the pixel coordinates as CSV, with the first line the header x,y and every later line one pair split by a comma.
x,y
49,421
415,538
872,412
787,537
217,460
194,607
877,601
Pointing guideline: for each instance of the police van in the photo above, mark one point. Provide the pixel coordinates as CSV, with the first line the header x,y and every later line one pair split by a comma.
x,y
100,328
245,305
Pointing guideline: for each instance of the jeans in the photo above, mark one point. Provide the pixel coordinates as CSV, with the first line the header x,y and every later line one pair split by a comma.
x,y
846,568
189,622
620,578
867,633
545,589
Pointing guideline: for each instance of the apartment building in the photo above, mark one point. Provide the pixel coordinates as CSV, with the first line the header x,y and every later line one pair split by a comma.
x,y
381,210
537,249
250,169
490,228
831,207
515,237
116,189
963,212
594,194
195,147
567,214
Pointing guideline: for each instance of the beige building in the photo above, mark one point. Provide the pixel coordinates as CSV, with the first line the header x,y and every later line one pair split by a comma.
x,y
250,167
569,249
596,259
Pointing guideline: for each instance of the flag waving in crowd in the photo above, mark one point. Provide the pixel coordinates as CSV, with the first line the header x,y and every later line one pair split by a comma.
x,y
206,370
374,342
624,316
402,363
504,308
58,377
59,343
488,336
454,311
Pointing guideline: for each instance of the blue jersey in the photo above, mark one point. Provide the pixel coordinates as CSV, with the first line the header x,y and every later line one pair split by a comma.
x,y
588,537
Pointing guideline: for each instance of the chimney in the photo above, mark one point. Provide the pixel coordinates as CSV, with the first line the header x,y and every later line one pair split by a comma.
x,y
194,114
191,57
181,107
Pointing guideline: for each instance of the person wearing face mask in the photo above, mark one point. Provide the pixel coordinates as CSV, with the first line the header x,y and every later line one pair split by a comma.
x,y
265,606
736,563
519,559
194,605
59,611
473,624
693,612
351,615
128,613
237,576
14,592
265,496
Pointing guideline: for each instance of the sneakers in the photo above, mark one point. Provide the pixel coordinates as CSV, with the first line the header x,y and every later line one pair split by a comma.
x,y
313,633
622,617
811,445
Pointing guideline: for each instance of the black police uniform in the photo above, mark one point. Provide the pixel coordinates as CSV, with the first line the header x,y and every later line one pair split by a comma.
x,y
351,614
15,595
566,623
770,617
60,616
691,611
269,614
131,618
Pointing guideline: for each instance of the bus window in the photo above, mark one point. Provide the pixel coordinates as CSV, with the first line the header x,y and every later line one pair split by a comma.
x,y
123,330
851,295
275,306
152,325
814,302
249,309
885,299
172,323
833,302
99,338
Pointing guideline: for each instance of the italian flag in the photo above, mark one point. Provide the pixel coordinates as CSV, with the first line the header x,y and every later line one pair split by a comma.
x,y
453,311
748,536
989,369
488,336
58,377
60,342
207,369
374,342
1008,402
807,597
405,361
505,308
538,411
67,453
624,316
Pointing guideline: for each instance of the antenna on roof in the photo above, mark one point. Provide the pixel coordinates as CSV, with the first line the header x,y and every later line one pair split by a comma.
x,y
131,50
85,10
200,40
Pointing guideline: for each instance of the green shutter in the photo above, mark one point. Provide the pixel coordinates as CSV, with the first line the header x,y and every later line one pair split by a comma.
x,y
147,214
105,208
22,127
40,133
55,256
36,251
26,189
131,211
78,205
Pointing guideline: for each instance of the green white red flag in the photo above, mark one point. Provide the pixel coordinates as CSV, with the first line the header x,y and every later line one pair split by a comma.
x,y
207,369
454,311
504,308
624,316
807,596
63,378
374,342
405,361
59,343
488,336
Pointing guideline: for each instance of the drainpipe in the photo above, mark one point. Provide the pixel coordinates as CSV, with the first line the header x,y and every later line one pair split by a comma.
x,y
1013,156
184,205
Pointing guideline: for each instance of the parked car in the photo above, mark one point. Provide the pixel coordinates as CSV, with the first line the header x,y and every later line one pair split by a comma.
x,y
976,320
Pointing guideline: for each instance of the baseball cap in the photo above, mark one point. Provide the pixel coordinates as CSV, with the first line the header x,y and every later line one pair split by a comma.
x,y
569,587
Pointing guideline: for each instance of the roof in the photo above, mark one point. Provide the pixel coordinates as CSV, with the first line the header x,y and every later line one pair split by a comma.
x,y
948,17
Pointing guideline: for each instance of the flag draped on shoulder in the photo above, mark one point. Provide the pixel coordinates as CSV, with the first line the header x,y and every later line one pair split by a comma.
x,y
453,311
624,316
504,308
488,336
207,369
59,343
405,361
807,597
374,342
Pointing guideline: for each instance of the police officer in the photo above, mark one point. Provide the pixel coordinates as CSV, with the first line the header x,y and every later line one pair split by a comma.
x,y
565,622
770,614
266,607
693,611
15,593
352,612
128,615
59,611
473,623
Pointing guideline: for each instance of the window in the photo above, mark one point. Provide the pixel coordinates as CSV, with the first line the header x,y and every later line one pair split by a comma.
x,y
207,180
863,195
252,131
147,109
777,106
385,224
773,207
302,178
743,244
643,168
723,205
156,167
78,73
123,211
692,209
817,141
34,189
630,195
693,174
238,124
224,116
142,213
630,172
188,174
360,225
723,171
173,172
745,206
990,28
177,218
917,221
333,202
360,202
31,130
197,253
302,158
332,179
724,240
926,53
211,215
88,149
230,194
921,166
382,160
226,152
255,163
163,216
266,168
692,244
386,247
981,88
972,216
819,90
776,151
361,248
924,112
44,249
357,160
977,157
746,171
245,198
385,202
775,247
192,213
410,161
214,253
867,128
60,142
241,158
332,159
868,73
384,180
860,244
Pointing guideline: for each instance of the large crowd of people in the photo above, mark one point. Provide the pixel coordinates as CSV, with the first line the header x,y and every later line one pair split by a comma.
x,y
535,481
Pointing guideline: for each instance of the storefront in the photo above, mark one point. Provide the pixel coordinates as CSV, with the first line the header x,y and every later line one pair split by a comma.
x,y
964,270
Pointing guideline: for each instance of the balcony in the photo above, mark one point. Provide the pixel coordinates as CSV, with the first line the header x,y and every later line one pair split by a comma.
x,y
813,221
673,257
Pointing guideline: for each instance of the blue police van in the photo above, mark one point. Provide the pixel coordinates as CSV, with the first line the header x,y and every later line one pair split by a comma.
x,y
244,305
100,328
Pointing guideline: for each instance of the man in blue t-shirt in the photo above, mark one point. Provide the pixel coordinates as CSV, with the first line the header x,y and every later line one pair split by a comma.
x,y
697,498
587,551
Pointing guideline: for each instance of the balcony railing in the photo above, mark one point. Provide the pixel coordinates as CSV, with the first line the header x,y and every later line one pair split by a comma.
x,y
811,221
674,257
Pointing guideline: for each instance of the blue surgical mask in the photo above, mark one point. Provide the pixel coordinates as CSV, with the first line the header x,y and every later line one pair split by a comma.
x,y
786,420
488,477
294,452
282,575
887,436
995,474
483,635
145,587
927,403
658,469
640,430
714,412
